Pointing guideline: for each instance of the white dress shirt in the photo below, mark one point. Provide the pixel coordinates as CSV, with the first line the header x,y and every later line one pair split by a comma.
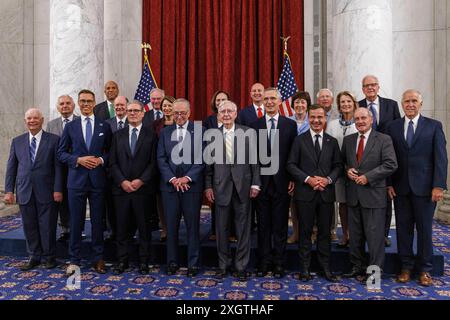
x,y
366,137
64,122
183,130
83,125
256,108
38,137
313,135
376,106
124,119
130,131
269,123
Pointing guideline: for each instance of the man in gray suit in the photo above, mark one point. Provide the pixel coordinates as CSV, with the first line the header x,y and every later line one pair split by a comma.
x,y
369,159
232,182
65,106
120,120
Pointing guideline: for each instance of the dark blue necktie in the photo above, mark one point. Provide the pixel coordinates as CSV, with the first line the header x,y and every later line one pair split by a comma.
x,y
88,133
120,125
271,133
33,147
410,133
317,145
158,115
375,116
133,141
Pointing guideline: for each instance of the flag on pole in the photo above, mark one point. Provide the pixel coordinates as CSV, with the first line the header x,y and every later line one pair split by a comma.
x,y
147,82
287,87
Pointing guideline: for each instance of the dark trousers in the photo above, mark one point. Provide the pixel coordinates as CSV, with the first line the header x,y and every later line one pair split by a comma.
x,y
77,205
272,210
323,212
366,225
110,211
242,224
128,207
39,225
412,210
188,205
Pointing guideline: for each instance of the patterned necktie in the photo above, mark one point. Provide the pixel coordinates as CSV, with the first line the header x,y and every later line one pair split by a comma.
x,y
375,115
410,133
260,113
133,141
229,147
33,146
360,152
88,133
158,115
66,121
120,125
317,145
112,111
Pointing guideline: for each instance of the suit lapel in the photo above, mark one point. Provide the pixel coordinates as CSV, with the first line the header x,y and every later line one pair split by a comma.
x,y
353,149
310,146
97,130
369,145
401,131
24,147
60,126
80,132
140,140
125,142
419,130
42,147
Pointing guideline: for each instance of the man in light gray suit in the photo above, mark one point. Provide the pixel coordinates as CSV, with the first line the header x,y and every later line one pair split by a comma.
x,y
232,182
65,106
119,121
369,159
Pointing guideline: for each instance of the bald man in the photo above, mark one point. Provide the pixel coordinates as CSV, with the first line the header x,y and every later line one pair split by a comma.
x,y
35,174
105,110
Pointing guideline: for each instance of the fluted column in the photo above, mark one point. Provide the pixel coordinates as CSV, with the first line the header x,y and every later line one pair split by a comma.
x,y
362,44
76,48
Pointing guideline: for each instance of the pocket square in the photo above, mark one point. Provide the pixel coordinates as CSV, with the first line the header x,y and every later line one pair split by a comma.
x,y
101,134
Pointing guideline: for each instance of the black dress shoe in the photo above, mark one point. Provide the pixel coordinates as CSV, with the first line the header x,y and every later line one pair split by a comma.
x,y
304,276
65,236
343,245
110,238
330,277
387,242
242,275
262,272
120,268
50,264
354,273
143,268
31,264
220,274
172,269
192,272
278,272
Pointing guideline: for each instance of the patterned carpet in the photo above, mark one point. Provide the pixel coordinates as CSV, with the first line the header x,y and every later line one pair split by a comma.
x,y
41,284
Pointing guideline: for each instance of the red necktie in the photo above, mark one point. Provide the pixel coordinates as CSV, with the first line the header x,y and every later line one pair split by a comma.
x,y
260,113
359,153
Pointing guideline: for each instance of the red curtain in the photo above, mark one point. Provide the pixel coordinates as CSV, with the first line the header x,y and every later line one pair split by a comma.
x,y
200,46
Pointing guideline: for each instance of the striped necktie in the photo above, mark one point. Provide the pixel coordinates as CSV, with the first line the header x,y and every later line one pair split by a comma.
x,y
33,146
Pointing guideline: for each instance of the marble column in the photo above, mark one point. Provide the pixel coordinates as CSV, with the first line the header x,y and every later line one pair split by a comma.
x,y
362,44
76,48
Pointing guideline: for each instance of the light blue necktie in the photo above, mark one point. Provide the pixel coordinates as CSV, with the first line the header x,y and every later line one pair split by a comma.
x,y
133,141
410,133
375,115
33,146
88,133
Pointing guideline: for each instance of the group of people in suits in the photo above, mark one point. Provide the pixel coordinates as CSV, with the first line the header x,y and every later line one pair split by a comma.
x,y
362,155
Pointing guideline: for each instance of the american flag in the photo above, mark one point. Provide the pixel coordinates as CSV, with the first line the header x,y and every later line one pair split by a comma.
x,y
287,87
146,84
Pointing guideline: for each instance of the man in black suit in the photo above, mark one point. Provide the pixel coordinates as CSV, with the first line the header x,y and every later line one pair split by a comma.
x,y
250,114
384,111
105,110
315,164
272,205
120,120
156,97
133,169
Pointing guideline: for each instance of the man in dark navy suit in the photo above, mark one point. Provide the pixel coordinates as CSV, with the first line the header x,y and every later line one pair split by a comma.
x,y
272,204
119,121
418,184
156,97
181,185
84,148
250,114
133,170
384,111
105,110
35,173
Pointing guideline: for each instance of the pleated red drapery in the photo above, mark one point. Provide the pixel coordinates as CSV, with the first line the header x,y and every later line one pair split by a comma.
x,y
200,46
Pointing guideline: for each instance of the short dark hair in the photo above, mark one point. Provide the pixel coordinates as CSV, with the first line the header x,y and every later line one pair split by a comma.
x,y
86,91
316,107
302,95
214,108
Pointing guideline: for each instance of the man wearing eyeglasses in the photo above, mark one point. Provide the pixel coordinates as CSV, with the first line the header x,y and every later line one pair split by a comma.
x,y
84,148
181,185
133,170
384,111
156,97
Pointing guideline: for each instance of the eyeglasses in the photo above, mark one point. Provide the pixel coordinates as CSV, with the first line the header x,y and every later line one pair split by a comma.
x,y
134,111
86,101
226,111
370,85
179,114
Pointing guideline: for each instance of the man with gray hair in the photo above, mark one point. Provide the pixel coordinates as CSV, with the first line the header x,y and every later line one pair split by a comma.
x,y
325,100
384,111
232,182
35,174
156,97
65,106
